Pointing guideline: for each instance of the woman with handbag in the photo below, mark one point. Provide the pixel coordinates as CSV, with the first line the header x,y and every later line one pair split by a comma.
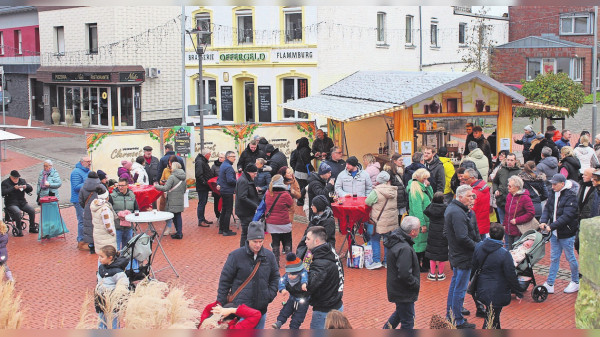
x,y
519,212
292,185
48,181
278,203
162,201
175,188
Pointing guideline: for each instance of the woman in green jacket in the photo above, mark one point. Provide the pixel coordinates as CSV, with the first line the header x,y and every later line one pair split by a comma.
x,y
419,197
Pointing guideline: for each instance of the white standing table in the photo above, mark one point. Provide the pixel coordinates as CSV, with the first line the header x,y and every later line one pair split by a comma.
x,y
151,218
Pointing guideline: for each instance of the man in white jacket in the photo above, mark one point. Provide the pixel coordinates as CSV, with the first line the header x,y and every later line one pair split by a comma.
x,y
353,180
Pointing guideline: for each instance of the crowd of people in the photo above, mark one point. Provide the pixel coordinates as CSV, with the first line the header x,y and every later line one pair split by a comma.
x,y
425,214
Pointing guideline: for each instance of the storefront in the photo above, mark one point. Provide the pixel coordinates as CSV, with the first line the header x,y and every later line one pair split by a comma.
x,y
100,97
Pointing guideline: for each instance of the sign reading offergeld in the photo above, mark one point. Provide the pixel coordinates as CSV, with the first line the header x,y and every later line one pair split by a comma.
x,y
242,57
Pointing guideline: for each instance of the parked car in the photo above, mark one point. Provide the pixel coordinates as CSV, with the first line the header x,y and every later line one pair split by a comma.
x,y
514,86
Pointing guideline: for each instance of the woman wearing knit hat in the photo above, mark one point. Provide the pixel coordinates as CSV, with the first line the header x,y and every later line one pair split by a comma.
x,y
383,217
322,215
279,224
124,171
294,282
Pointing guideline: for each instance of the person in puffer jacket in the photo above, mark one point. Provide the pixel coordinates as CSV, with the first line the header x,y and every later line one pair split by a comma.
x,y
372,167
353,180
535,183
87,194
175,188
549,166
437,244
395,171
448,173
103,220
111,271
477,156
124,171
519,210
384,212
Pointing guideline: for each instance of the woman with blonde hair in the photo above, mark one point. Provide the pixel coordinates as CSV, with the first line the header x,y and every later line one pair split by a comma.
x,y
337,320
569,165
372,167
420,194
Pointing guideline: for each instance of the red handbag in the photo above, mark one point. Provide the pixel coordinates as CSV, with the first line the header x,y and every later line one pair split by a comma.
x,y
47,199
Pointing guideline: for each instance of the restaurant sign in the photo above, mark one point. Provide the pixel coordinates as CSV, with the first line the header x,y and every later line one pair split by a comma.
x,y
243,57
81,77
132,76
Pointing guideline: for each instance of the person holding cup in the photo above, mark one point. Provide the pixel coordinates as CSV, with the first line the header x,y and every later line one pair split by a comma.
x,y
48,181
353,181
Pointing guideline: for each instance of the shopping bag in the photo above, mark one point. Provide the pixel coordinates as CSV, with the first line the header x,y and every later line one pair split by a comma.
x,y
356,257
186,199
368,254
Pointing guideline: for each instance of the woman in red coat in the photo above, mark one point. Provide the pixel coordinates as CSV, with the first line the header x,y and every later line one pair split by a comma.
x,y
519,210
278,222
215,316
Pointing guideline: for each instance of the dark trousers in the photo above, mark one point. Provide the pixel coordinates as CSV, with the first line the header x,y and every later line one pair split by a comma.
x,y
202,200
404,315
226,211
293,308
216,198
496,319
283,238
177,222
245,221
302,183
15,214
424,262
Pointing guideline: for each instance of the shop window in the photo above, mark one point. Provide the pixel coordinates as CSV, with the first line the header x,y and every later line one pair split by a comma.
x,y
59,40
462,32
18,42
434,34
293,25
92,38
381,28
409,28
570,66
577,69
576,24
244,29
203,24
1,43
294,88
209,96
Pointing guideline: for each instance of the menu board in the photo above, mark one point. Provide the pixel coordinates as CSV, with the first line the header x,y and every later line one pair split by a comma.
x,y
264,103
226,103
182,140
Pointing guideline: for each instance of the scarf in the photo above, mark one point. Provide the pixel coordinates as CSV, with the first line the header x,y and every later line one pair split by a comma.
x,y
45,175
317,218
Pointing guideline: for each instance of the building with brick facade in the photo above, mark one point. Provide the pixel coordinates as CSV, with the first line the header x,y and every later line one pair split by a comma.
x,y
19,56
546,39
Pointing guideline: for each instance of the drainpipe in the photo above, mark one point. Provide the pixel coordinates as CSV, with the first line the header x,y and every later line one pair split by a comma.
x,y
420,41
595,72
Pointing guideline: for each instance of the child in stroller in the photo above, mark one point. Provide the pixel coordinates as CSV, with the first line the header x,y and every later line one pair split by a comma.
x,y
526,252
138,250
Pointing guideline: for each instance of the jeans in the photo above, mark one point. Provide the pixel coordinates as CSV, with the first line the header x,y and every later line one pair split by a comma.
x,y
202,200
404,315
293,308
496,319
375,243
226,211
501,212
177,222
456,294
79,214
261,323
102,324
15,214
318,318
556,248
509,240
123,236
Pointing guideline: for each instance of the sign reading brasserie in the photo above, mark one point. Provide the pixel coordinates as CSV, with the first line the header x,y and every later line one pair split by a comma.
x,y
81,77
132,76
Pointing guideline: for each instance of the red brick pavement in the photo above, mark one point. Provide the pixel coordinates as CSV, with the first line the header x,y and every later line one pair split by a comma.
x,y
54,276
16,161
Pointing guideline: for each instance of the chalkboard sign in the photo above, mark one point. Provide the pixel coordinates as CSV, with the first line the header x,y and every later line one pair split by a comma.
x,y
227,103
264,103
182,140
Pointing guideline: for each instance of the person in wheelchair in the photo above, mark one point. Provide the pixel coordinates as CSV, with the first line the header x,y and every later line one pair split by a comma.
x,y
13,192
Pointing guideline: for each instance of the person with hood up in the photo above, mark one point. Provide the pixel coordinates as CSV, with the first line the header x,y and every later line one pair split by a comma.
x,y
437,244
528,137
246,199
372,167
478,157
320,183
569,165
322,215
448,173
353,181
420,194
87,194
383,217
262,144
140,176
584,153
276,159
403,281
535,183
249,155
548,166
519,210
302,167
437,178
417,163
111,271
103,220
124,171
500,183
78,176
175,188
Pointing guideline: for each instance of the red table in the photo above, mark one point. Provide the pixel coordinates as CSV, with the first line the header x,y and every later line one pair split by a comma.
x,y
145,195
351,214
212,184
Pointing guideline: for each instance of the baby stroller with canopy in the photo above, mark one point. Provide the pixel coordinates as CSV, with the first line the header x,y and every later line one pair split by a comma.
x,y
533,254
138,250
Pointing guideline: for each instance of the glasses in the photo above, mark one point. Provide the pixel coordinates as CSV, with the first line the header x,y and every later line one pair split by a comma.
x,y
121,185
230,156
87,161
338,152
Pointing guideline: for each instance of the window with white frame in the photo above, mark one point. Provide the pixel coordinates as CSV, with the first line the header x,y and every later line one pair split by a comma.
x,y
434,33
244,29
570,66
209,96
203,24
293,25
462,33
18,42
381,28
409,27
92,38
59,40
576,24
1,43
294,88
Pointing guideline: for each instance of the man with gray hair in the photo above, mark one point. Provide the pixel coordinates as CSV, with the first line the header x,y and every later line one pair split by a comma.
x,y
203,173
403,280
78,176
462,237
549,166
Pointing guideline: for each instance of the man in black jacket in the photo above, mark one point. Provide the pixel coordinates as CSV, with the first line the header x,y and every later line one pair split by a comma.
x,y
320,183
275,158
325,277
482,143
262,288
336,162
403,279
151,165
462,236
322,145
469,129
164,161
203,174
437,177
249,155
564,223
13,191
246,199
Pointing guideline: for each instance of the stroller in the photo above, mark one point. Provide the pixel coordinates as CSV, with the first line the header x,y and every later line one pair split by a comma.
x,y
525,268
138,250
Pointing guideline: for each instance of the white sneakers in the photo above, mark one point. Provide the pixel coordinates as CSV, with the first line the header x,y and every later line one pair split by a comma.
x,y
374,265
572,287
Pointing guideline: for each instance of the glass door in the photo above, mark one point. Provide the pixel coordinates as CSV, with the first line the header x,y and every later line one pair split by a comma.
x,y
103,109
94,115
249,100
126,106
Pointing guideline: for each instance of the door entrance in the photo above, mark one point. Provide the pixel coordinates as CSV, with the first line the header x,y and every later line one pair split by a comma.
x,y
249,101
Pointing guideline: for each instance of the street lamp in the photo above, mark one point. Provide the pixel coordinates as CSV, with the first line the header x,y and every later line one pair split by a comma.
x,y
200,47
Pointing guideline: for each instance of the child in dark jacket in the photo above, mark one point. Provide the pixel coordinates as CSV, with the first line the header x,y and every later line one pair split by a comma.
x,y
4,252
437,244
111,270
294,282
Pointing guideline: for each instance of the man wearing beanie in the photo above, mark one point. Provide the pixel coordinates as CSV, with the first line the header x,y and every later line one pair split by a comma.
x,y
78,176
246,199
87,194
325,277
320,183
353,181
262,288
294,282
13,191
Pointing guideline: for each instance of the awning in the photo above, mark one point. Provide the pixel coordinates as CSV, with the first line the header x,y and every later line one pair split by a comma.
x,y
540,106
5,135
90,74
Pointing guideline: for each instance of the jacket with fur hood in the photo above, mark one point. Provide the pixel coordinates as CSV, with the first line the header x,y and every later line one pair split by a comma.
x,y
481,162
139,173
384,195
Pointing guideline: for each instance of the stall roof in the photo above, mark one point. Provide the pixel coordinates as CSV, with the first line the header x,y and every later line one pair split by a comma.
x,y
379,92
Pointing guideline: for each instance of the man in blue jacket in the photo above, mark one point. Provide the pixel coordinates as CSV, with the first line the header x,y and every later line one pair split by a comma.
x,y
164,161
564,140
78,176
226,186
